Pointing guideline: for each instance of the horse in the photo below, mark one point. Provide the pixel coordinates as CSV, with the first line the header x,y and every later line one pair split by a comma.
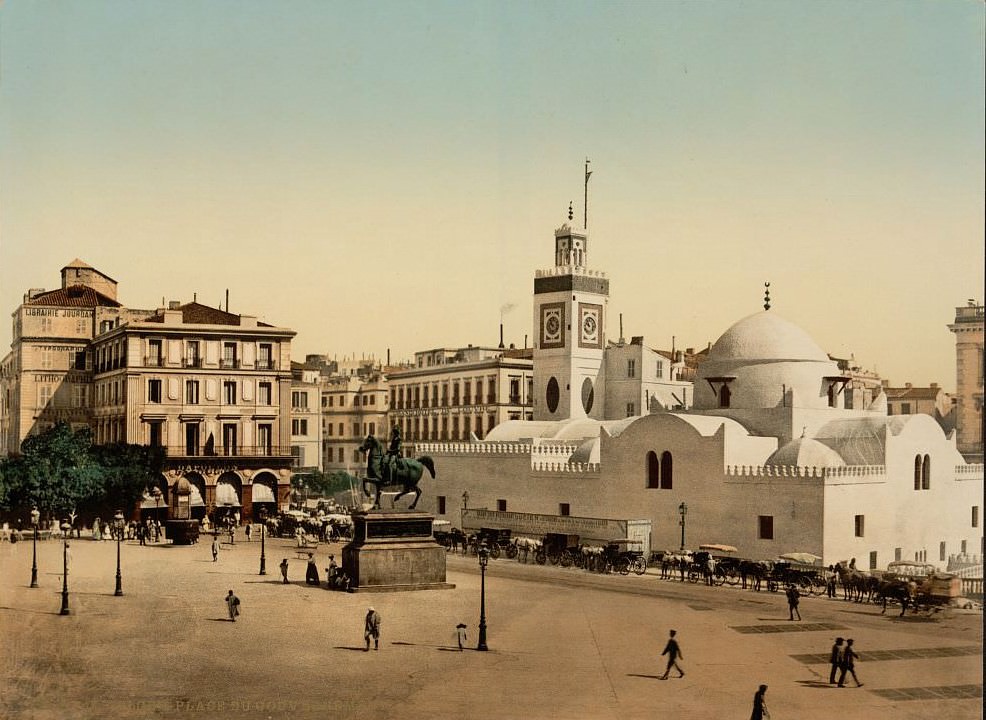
x,y
756,570
856,585
527,547
403,472
903,591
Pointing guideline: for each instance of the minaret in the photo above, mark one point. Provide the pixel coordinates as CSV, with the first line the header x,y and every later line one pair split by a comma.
x,y
570,331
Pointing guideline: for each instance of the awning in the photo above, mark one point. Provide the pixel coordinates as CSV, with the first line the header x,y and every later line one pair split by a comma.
x,y
226,495
262,493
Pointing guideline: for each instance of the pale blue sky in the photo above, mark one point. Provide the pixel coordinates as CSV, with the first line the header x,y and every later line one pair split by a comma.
x,y
383,174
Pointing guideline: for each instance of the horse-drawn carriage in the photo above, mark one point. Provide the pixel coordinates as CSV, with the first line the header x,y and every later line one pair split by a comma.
x,y
920,585
496,540
558,548
623,556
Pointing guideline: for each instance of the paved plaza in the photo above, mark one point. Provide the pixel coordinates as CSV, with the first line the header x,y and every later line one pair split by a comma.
x,y
563,644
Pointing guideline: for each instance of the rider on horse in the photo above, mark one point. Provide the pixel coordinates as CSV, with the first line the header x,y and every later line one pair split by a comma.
x,y
389,465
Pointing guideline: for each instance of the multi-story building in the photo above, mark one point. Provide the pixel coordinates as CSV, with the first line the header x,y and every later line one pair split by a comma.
x,y
211,387
306,421
455,394
931,400
968,329
353,406
47,375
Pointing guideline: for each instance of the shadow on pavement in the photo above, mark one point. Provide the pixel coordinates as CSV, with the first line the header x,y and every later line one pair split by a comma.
x,y
814,684
35,612
348,647
223,620
649,677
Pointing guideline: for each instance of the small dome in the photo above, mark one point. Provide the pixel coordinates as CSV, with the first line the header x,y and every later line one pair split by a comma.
x,y
766,336
805,452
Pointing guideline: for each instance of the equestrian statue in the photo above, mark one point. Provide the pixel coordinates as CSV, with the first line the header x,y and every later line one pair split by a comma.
x,y
391,470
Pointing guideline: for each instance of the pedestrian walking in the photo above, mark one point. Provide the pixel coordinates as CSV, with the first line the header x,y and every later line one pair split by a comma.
x,y
284,570
460,635
835,659
793,598
215,548
233,605
830,577
371,629
247,531
311,573
673,651
232,534
849,665
760,711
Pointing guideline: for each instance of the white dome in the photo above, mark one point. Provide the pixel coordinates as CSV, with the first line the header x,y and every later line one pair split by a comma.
x,y
805,452
766,336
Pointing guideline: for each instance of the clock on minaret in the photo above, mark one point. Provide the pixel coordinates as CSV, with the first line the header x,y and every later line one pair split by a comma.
x,y
553,325
590,325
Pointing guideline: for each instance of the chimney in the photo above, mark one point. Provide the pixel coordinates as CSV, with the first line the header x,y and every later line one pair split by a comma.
x,y
907,385
689,351
500,346
174,304
934,386
227,299
388,357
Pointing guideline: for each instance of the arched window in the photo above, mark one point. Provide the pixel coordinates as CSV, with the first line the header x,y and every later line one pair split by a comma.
x,y
926,473
724,396
653,471
917,471
666,470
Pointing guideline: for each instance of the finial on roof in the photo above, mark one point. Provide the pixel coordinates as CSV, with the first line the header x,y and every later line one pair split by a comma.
x,y
570,210
766,296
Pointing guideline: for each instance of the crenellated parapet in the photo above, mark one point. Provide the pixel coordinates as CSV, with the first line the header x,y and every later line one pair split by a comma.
x,y
564,468
568,270
472,448
878,472
969,471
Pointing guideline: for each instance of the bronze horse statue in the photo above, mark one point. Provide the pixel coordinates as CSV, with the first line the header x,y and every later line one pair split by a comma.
x,y
396,472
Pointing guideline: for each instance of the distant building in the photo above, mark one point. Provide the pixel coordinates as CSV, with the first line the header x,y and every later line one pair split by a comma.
x,y
455,394
306,417
968,329
932,400
353,406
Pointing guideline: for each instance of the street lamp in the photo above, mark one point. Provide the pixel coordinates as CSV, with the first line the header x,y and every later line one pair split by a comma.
x,y
263,534
118,525
484,559
465,500
682,510
65,530
35,517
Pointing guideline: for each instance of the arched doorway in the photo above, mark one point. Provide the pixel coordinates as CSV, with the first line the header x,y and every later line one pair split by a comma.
x,y
197,498
229,494
155,501
264,495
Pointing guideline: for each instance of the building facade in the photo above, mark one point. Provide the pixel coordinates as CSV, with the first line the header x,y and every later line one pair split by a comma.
x,y
353,406
306,417
458,394
968,329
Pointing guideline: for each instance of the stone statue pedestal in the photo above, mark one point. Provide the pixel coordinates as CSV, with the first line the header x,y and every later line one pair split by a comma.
x,y
392,551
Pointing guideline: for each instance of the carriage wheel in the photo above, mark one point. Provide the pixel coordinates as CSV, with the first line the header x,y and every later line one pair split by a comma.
x,y
554,558
495,552
732,579
693,576
566,560
639,566
539,557
771,585
511,551
805,585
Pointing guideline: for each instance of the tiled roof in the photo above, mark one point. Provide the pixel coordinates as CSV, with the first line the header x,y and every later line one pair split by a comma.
x,y
194,313
74,296
912,393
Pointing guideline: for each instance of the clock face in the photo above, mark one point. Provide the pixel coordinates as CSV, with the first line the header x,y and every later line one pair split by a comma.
x,y
590,325
553,325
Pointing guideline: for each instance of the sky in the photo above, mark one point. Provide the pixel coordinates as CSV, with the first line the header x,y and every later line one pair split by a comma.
x,y
389,175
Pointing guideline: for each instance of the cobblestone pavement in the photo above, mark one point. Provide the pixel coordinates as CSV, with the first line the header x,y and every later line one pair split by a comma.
x,y
563,644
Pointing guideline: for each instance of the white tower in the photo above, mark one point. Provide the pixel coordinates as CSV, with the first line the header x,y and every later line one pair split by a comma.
x,y
570,332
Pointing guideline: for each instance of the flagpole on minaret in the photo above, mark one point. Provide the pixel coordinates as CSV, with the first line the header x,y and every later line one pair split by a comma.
x,y
585,202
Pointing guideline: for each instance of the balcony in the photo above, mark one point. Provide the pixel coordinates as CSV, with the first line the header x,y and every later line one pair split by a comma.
x,y
244,451
191,362
229,364
515,399
154,361
265,364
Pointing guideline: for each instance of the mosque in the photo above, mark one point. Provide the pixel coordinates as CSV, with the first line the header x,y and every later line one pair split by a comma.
x,y
772,454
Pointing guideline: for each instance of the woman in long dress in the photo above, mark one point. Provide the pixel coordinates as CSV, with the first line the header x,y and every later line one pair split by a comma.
x,y
96,530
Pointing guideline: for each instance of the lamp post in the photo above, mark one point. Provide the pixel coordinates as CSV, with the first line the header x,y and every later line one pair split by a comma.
x,y
682,510
35,517
465,500
118,526
65,530
484,559
263,534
